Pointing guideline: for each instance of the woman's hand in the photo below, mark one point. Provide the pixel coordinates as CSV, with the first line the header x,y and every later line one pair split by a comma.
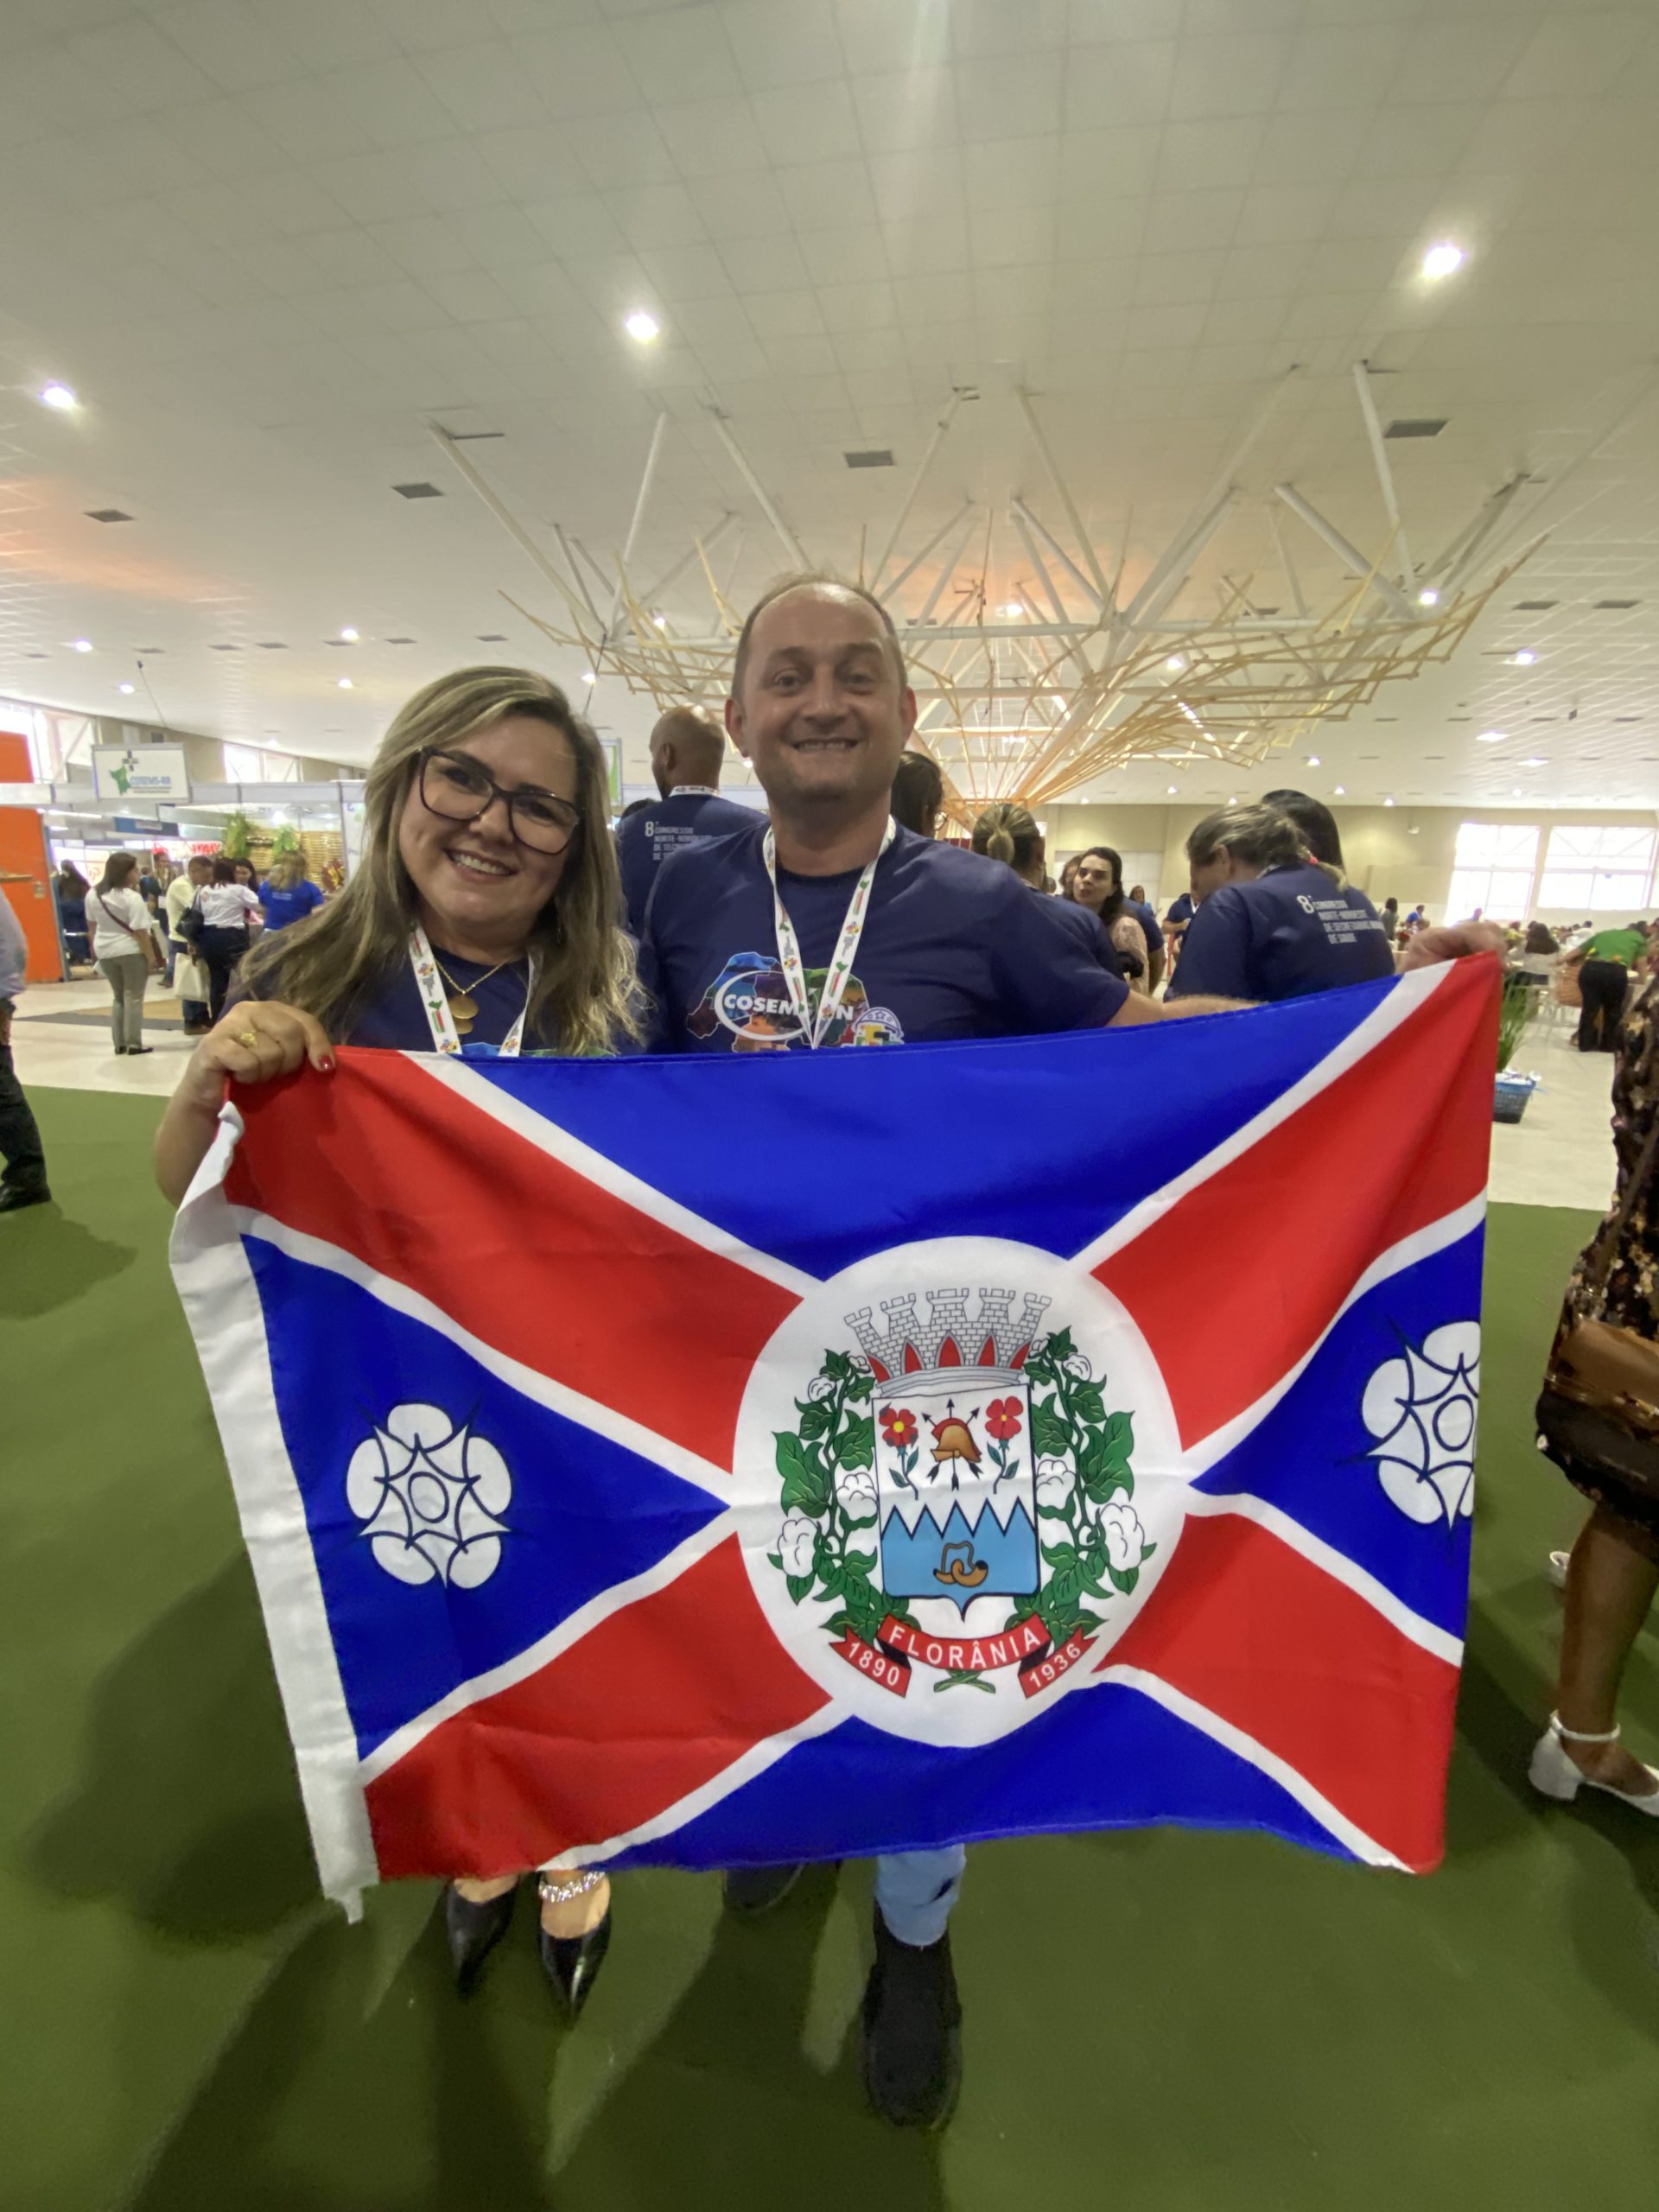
x,y
1450,940
256,1042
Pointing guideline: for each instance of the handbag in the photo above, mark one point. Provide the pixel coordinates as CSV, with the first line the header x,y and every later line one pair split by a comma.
x,y
191,924
1600,1399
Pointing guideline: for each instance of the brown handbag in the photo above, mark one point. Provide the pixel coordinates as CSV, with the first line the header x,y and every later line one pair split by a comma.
x,y
1601,1400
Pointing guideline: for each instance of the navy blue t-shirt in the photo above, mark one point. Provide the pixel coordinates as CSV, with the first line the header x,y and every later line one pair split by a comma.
x,y
1148,921
644,840
1085,927
954,946
1181,909
1289,932
394,1019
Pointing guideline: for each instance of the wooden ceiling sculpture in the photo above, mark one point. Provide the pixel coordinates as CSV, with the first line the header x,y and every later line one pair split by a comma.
x,y
1061,678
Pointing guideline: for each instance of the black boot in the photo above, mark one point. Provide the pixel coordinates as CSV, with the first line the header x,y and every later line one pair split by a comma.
x,y
749,1890
912,2031
473,1931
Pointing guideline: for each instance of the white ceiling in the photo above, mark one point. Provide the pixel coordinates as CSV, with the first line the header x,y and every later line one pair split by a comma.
x,y
266,240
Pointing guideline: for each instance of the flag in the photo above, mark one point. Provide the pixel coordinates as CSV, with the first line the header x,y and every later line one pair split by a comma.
x,y
717,1461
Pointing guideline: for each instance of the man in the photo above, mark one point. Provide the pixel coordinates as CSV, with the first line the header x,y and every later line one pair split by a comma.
x,y
825,927
686,754
1603,964
179,894
24,1182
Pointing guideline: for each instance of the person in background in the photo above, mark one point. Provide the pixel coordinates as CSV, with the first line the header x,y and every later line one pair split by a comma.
x,y
918,793
687,755
180,893
1391,917
22,1182
1098,885
1069,876
1604,964
1417,919
229,914
426,952
122,928
1537,955
1317,823
1272,922
287,894
1009,833
69,890
246,874
1137,894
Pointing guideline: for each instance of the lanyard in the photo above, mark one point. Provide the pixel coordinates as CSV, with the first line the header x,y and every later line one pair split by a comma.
x,y
439,1020
846,952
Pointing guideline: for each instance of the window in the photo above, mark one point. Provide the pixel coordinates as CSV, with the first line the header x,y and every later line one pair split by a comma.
x,y
1493,869
1602,871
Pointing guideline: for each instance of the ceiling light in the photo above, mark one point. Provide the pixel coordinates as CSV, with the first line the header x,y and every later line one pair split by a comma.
x,y
1313,759
660,621
59,396
1492,737
1170,791
81,646
1414,831
587,676
642,327
1537,761
344,683
349,636
1341,791
127,688
1175,664
1013,610
1516,790
1440,260
1388,802
1428,596
1522,659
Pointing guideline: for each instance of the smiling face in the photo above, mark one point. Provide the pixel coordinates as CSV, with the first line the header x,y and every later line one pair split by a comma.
x,y
480,890
821,711
1094,883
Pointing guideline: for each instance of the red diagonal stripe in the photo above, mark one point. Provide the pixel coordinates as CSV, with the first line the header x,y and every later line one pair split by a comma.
x,y
1265,1639
1398,1140
651,1704
513,1246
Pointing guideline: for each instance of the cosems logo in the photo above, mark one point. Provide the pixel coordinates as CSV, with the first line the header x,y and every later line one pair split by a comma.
x,y
973,1489
750,999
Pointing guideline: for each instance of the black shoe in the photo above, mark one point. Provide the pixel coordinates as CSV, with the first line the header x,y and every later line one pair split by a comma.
x,y
473,1931
912,2032
133,1050
11,1200
750,1890
572,1962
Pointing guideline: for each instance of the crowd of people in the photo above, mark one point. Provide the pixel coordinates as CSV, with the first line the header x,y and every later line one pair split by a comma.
x,y
492,912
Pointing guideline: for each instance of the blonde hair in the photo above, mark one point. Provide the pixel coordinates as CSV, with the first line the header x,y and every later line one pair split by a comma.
x,y
286,871
1009,833
329,965
1262,836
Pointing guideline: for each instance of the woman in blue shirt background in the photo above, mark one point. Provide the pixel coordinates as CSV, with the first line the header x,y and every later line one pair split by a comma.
x,y
1272,922
288,893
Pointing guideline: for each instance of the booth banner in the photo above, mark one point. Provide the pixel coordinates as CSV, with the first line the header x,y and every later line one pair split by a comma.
x,y
713,1461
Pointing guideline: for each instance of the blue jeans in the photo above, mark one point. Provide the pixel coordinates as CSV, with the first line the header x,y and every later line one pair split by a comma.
x,y
915,1890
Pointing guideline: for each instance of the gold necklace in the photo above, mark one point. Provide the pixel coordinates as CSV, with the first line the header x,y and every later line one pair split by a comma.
x,y
463,1006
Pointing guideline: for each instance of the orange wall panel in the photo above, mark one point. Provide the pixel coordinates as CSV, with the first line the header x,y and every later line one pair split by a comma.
x,y
22,852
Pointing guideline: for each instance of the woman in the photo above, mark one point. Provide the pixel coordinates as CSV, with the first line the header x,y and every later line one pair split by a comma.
x,y
1538,954
1603,965
70,889
917,794
121,927
1271,922
287,894
246,874
1098,885
230,914
478,921
1009,833
1613,1569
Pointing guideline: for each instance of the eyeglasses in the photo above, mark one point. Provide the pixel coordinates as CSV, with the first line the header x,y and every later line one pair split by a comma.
x,y
455,786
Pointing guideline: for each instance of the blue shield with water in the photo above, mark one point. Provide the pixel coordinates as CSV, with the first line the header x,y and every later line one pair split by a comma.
x,y
956,1490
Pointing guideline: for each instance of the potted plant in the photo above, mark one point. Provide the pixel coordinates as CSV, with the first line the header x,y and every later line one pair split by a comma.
x,y
1515,1012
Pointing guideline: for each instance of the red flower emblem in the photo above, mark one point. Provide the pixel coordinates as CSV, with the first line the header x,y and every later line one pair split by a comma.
x,y
1002,1419
899,1427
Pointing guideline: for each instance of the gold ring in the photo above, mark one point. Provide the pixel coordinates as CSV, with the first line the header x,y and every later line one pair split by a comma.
x,y
248,1037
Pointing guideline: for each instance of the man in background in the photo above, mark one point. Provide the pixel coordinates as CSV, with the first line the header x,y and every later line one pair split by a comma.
x,y
686,756
24,1182
180,892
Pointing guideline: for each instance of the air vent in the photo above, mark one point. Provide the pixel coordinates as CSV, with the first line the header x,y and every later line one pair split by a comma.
x,y
491,636
1616,606
400,641
1416,426
37,656
870,457
1535,606
106,514
152,650
417,491
272,646
343,643
471,437
223,649
1627,718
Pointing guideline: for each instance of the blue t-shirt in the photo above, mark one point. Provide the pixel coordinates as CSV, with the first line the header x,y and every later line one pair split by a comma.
x,y
1085,927
1181,909
1290,931
644,840
282,907
394,1019
954,946
1148,921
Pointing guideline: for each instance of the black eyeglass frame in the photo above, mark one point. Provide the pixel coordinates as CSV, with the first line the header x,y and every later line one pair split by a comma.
x,y
512,801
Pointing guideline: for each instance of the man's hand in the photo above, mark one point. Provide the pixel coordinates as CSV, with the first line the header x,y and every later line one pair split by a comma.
x,y
1451,941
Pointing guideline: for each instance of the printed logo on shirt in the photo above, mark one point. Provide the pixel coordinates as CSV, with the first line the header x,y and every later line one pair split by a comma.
x,y
1342,924
750,999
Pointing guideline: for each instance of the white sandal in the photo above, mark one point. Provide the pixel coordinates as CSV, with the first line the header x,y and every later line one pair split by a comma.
x,y
1552,1773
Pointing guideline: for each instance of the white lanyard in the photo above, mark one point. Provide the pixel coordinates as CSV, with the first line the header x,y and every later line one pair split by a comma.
x,y
439,1020
846,952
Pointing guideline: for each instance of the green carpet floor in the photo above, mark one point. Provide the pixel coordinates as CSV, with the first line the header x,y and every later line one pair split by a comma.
x,y
1166,2022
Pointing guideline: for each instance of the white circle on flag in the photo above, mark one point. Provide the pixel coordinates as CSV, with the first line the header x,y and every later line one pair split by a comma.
x,y
962,1499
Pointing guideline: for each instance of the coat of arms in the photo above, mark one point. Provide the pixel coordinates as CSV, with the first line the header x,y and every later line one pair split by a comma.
x,y
962,1494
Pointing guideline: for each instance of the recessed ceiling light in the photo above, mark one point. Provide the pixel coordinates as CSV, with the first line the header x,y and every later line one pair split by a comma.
x,y
1440,260
127,688
1313,759
1013,610
344,683
587,676
1428,596
660,621
1170,791
1342,791
1516,790
1492,737
59,396
1522,659
81,646
1175,664
1537,761
643,327
349,636
1388,802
